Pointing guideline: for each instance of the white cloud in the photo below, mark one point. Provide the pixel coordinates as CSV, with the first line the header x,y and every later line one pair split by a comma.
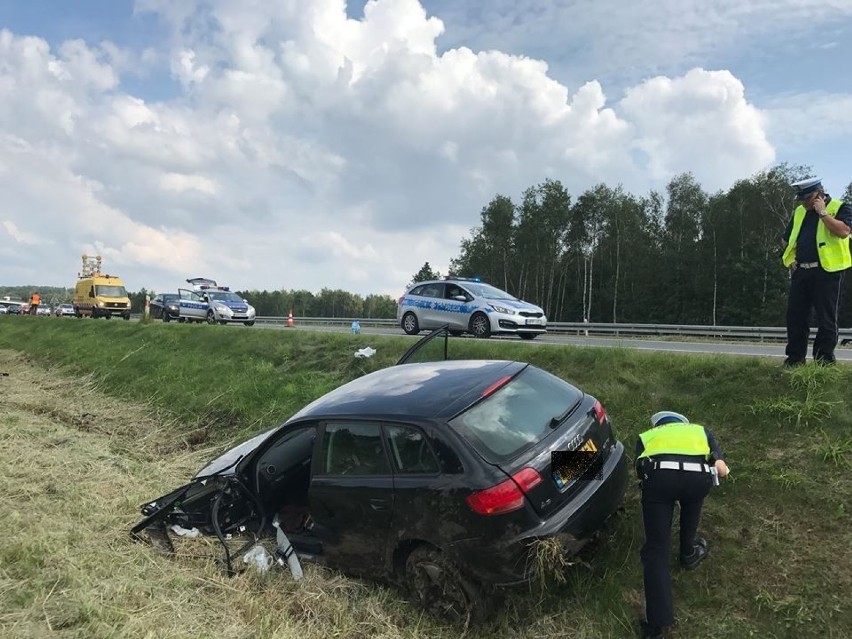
x,y
701,122
22,237
307,149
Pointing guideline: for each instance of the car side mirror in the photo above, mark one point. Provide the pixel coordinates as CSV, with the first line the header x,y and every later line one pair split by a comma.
x,y
460,298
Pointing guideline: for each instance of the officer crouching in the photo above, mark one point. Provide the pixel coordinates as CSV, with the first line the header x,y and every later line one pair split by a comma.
x,y
676,461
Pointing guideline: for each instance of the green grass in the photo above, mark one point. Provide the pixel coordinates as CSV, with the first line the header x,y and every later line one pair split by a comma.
x,y
113,413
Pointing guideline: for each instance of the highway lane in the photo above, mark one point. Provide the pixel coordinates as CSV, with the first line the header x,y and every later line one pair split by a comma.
x,y
749,349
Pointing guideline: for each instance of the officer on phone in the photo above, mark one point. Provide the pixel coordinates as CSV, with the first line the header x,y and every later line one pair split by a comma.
x,y
676,461
817,254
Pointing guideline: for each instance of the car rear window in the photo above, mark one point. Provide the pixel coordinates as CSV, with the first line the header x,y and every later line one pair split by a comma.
x,y
516,416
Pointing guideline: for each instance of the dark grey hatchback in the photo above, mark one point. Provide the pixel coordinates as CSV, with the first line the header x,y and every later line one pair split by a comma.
x,y
437,476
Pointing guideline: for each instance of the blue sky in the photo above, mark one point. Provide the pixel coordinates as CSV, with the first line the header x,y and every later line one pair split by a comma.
x,y
359,138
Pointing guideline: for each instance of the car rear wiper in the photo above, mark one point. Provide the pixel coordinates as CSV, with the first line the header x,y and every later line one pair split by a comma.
x,y
558,419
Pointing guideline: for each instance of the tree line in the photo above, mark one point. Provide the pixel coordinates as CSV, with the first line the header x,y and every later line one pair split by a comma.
x,y
684,256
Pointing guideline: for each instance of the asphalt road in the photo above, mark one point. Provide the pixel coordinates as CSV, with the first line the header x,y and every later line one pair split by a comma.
x,y
843,353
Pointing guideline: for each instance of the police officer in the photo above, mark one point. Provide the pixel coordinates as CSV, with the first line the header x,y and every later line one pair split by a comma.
x,y
817,254
673,461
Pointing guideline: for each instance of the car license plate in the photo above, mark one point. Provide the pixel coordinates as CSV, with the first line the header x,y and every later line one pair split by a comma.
x,y
533,322
565,475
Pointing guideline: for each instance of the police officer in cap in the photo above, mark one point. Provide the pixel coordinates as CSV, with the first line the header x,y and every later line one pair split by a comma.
x,y
817,254
676,462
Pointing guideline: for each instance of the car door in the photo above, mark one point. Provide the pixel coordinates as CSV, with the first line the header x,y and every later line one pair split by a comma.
x,y
192,305
432,312
351,495
458,310
420,490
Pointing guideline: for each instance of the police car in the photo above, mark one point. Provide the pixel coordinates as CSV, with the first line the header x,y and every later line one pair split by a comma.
x,y
207,301
468,305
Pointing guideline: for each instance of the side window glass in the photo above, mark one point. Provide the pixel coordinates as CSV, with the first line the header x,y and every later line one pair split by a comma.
x,y
410,451
417,290
353,449
433,290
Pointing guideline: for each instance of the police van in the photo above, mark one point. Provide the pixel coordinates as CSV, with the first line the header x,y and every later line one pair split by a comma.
x,y
208,302
468,305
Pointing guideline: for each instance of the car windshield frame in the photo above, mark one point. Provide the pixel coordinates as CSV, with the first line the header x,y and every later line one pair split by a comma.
x,y
486,291
537,397
110,290
223,296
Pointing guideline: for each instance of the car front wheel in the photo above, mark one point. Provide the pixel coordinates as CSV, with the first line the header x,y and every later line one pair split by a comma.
x,y
249,323
435,583
211,318
480,325
166,316
527,335
410,324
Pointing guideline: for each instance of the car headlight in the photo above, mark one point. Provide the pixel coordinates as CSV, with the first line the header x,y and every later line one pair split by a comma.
x,y
251,310
101,304
221,308
503,309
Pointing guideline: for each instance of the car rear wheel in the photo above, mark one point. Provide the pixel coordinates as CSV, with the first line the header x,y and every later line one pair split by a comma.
x,y
436,584
480,325
528,335
410,324
211,318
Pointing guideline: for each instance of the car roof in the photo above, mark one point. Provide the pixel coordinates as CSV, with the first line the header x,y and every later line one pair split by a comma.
x,y
423,390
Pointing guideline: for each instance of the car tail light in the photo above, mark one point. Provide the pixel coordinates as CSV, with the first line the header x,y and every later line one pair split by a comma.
x,y
506,496
600,412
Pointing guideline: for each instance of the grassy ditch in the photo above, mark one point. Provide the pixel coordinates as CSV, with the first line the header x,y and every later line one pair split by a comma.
x,y
97,417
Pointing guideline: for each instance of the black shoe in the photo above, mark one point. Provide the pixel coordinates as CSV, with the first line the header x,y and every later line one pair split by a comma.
x,y
647,631
699,554
792,363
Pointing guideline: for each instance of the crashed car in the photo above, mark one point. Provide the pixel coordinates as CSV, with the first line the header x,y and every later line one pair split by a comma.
x,y
437,476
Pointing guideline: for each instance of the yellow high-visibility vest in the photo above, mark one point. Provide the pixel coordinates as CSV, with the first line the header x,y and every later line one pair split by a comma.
x,y
833,251
675,439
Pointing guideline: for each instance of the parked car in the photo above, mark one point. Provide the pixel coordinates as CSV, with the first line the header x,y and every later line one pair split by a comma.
x,y
165,306
14,308
468,305
43,310
437,476
64,310
3,310
210,303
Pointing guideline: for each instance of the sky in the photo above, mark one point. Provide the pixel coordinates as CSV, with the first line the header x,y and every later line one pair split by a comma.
x,y
309,144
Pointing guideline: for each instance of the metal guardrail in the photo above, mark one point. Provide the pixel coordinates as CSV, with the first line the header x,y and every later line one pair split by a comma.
x,y
756,333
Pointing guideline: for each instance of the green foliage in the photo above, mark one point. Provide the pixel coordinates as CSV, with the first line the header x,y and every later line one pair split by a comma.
x,y
808,404
425,273
684,256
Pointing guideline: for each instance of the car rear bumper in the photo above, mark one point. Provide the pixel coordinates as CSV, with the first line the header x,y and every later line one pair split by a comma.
x,y
507,561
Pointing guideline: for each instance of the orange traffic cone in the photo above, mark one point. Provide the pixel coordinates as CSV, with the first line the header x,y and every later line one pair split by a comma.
x,y
290,321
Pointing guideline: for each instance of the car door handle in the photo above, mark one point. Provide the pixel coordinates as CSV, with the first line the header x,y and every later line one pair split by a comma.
x,y
378,504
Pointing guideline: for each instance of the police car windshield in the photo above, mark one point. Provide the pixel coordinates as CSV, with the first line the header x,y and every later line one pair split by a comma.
x,y
224,296
111,291
488,292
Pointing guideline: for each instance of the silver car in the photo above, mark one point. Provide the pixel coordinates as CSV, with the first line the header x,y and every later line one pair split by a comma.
x,y
212,303
468,305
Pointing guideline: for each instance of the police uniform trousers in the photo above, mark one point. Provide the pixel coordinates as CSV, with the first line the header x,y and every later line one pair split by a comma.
x,y
820,290
660,491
